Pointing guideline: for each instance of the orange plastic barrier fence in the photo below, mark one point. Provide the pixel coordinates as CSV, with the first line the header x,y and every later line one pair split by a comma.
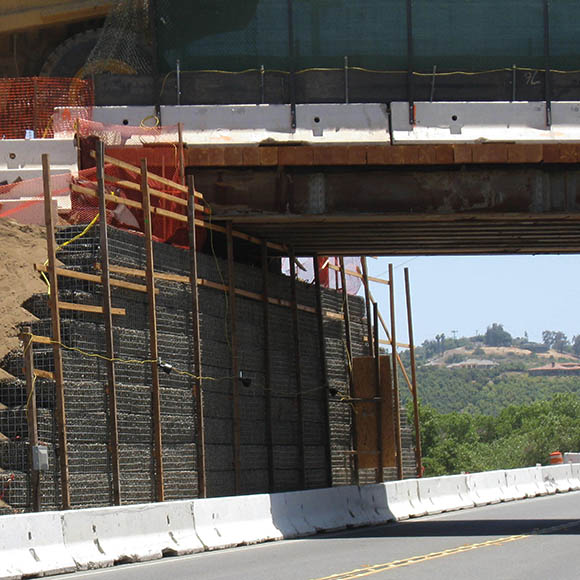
x,y
27,104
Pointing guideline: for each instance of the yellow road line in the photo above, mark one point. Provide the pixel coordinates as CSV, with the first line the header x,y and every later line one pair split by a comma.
x,y
377,568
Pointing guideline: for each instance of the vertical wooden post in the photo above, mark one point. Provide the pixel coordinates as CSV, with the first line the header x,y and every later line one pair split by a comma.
x,y
196,338
418,450
349,365
395,370
181,154
109,340
298,366
380,395
56,336
267,368
235,364
323,366
31,414
153,346
368,306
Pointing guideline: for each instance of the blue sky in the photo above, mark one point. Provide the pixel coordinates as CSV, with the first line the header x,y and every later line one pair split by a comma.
x,y
467,294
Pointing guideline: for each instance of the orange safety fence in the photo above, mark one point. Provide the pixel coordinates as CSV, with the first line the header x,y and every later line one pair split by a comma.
x,y
27,104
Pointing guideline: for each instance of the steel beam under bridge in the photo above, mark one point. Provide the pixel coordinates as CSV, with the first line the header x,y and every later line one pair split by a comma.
x,y
403,208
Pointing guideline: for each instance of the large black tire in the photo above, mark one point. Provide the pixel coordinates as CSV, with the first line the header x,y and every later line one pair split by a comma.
x,y
70,57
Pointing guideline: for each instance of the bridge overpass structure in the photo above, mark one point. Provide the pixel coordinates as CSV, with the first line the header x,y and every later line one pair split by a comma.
x,y
430,178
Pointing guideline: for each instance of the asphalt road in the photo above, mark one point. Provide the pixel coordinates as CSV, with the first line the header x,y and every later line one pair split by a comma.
x,y
530,539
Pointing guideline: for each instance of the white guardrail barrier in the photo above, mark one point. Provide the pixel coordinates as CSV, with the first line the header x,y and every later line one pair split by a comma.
x,y
57,542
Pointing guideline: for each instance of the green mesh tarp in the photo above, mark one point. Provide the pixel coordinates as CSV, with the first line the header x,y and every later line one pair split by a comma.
x,y
470,35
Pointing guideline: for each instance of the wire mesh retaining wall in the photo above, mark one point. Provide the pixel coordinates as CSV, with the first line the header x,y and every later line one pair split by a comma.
x,y
88,414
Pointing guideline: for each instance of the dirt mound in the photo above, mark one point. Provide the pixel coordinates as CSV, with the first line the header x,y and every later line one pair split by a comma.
x,y
21,246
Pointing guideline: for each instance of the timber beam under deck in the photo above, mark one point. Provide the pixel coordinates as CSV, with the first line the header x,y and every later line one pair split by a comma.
x,y
398,200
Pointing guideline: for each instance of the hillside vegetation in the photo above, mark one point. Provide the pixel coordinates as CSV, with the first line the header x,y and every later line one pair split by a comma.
x,y
494,415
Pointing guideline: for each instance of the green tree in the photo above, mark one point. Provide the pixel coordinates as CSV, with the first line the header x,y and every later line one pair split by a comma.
x,y
497,336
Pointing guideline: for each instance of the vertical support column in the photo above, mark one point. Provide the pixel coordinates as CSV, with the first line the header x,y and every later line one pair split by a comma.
x,y
31,414
298,366
153,346
267,368
418,451
380,396
348,335
291,56
396,402
196,338
323,366
181,154
109,340
370,333
56,336
235,365
547,58
410,63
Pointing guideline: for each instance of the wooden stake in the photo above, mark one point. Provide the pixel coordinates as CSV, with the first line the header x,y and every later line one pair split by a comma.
x,y
196,337
380,395
418,451
396,403
153,346
368,306
109,340
348,335
267,368
235,367
298,367
323,367
31,414
56,336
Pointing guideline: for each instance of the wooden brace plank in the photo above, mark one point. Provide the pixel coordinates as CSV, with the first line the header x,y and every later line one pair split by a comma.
x,y
90,308
92,278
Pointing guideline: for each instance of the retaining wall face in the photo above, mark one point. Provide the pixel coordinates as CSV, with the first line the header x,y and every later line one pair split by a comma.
x,y
86,380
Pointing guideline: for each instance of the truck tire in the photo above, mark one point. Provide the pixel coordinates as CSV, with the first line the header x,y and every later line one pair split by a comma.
x,y
70,57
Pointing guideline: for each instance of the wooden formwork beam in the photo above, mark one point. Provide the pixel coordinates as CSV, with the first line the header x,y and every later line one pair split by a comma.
x,y
416,418
298,368
323,367
235,365
109,340
153,343
394,356
31,414
54,303
196,338
267,367
348,336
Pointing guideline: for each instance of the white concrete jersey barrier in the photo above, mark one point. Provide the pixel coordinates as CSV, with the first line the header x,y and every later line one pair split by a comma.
x,y
231,521
487,487
58,542
557,478
443,494
525,482
33,545
403,499
473,122
102,537
571,457
23,157
251,124
575,475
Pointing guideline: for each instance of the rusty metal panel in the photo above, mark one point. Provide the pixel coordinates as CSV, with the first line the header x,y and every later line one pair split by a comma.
x,y
364,390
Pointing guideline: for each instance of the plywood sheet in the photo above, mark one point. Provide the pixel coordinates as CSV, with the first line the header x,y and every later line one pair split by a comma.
x,y
366,418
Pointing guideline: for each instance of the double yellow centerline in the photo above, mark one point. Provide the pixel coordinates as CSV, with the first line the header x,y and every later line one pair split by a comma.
x,y
378,568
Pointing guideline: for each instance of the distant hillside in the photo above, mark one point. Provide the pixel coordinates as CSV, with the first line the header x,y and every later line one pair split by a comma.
x,y
483,379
